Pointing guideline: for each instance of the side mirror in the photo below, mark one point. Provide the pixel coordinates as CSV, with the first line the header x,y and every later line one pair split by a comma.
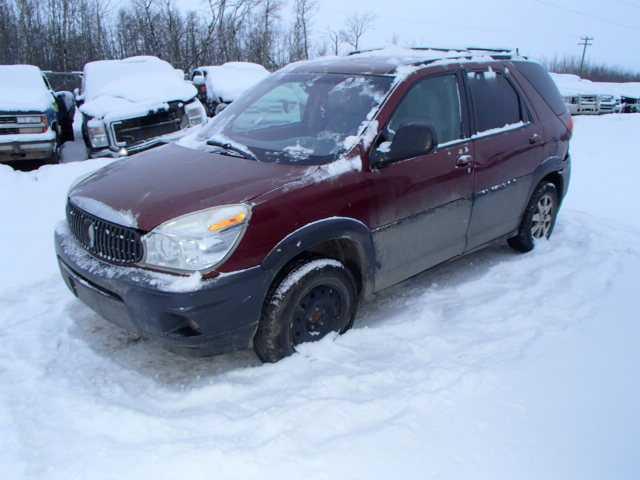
x,y
411,140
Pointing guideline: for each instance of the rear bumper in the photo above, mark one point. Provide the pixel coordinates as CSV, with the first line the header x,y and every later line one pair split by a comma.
x,y
220,316
27,150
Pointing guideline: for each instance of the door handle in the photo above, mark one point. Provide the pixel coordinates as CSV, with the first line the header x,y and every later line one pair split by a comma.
x,y
464,161
535,138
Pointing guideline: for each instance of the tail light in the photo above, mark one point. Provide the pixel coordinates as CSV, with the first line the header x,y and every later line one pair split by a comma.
x,y
570,125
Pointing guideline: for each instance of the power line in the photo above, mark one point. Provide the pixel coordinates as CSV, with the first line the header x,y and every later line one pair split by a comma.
x,y
586,42
586,14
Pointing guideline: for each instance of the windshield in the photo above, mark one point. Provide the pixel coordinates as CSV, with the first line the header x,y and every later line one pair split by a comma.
x,y
308,119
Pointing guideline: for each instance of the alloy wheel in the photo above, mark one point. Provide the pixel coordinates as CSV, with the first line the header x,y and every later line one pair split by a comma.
x,y
542,220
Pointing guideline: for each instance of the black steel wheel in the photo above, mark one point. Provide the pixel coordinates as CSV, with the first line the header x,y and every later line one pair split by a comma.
x,y
315,298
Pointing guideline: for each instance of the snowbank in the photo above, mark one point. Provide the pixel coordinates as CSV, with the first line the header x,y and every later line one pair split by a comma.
x,y
574,85
23,89
497,366
132,87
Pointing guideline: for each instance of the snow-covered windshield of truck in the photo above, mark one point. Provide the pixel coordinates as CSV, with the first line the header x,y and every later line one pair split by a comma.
x,y
300,118
23,89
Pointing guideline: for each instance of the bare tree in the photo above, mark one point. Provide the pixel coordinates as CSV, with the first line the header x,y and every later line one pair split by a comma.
x,y
303,11
356,26
334,40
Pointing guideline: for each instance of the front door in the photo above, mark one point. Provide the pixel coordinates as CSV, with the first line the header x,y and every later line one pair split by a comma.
x,y
424,202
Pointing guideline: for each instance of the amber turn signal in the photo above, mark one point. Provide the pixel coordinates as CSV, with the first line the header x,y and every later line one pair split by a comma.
x,y
228,223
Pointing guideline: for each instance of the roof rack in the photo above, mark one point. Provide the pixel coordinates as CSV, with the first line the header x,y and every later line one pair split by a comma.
x,y
497,53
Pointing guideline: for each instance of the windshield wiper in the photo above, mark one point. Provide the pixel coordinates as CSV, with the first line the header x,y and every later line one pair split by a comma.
x,y
228,147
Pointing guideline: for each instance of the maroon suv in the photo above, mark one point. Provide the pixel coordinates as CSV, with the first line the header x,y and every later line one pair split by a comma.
x,y
329,181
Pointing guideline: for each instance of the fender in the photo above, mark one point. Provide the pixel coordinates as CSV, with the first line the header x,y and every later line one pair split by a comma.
x,y
553,164
315,233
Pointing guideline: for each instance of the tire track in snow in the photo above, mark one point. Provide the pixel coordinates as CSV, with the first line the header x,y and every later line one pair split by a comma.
x,y
79,377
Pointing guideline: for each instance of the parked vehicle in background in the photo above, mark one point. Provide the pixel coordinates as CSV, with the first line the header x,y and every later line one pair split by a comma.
x,y
327,182
629,105
127,105
588,105
32,127
573,103
66,111
607,104
220,85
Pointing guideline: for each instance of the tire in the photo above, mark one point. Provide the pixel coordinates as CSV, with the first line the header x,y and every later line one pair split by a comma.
x,y
315,298
539,218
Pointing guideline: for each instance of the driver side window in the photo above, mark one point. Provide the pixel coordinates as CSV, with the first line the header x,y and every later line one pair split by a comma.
x,y
433,101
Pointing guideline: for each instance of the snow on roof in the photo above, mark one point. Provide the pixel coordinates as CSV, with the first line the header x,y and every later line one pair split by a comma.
x,y
228,81
22,89
132,86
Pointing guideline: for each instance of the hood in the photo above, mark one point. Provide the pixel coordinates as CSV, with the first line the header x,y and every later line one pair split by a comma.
x,y
167,182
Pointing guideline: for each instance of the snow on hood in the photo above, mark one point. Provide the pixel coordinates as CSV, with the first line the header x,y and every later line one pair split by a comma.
x,y
227,82
23,89
126,218
132,87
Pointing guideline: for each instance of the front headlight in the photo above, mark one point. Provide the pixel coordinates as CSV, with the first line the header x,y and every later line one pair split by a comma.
x,y
97,134
197,241
31,119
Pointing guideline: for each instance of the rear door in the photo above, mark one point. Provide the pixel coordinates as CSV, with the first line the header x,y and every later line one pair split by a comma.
x,y
508,146
424,203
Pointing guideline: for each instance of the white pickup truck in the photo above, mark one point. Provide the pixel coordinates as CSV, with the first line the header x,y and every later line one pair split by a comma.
x,y
128,105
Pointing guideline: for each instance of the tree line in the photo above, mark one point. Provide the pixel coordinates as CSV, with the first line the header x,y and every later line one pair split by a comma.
x,y
63,35
591,71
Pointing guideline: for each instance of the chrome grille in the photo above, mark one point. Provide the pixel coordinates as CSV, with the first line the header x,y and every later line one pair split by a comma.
x,y
106,240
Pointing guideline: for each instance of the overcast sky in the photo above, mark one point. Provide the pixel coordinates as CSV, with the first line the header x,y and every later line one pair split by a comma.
x,y
537,27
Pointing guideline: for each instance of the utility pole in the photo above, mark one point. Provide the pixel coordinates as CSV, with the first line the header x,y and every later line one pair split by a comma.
x,y
586,42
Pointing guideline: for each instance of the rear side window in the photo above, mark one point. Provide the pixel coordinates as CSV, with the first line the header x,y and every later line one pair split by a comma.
x,y
544,85
495,100
434,101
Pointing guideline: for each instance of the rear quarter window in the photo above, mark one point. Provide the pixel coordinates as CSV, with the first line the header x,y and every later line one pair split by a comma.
x,y
544,85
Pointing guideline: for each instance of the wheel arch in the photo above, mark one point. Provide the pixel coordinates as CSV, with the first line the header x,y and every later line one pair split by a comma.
x,y
550,170
347,240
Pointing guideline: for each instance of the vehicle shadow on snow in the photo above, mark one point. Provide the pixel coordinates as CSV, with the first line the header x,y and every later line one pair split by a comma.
x,y
149,359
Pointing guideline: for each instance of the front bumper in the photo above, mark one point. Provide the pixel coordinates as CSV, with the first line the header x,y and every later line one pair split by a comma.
x,y
220,316
27,150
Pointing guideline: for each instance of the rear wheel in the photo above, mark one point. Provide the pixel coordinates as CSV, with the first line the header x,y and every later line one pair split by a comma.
x,y
539,218
314,299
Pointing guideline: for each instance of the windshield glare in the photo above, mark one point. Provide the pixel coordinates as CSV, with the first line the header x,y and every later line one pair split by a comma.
x,y
299,118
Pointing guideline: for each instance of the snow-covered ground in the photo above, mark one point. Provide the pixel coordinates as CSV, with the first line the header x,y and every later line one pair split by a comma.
x,y
497,366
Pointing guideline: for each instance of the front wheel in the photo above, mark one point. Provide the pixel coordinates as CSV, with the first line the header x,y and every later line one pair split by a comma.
x,y
539,218
315,298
